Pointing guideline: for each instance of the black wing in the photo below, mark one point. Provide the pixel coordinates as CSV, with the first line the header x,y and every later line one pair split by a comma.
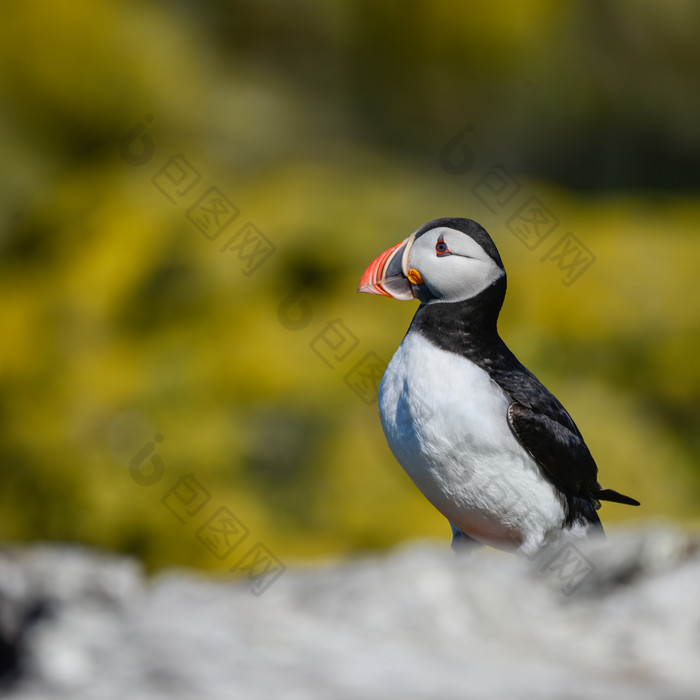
x,y
552,439
558,449
544,428
548,433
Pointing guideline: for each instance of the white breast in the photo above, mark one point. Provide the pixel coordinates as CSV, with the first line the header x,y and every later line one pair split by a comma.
x,y
445,421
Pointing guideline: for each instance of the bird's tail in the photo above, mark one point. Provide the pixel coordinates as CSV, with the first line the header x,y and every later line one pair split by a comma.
x,y
615,497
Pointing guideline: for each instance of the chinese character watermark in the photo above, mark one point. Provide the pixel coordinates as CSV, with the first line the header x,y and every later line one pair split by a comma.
x,y
335,344
222,532
528,219
211,213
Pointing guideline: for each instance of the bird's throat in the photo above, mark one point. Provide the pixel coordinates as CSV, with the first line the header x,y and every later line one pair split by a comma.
x,y
468,327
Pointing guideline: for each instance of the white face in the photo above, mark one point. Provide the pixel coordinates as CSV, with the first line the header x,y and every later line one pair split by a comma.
x,y
454,267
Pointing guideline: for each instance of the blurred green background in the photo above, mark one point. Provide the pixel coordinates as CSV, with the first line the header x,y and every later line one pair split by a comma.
x,y
335,129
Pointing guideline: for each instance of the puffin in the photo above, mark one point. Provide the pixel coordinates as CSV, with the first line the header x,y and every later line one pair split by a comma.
x,y
481,437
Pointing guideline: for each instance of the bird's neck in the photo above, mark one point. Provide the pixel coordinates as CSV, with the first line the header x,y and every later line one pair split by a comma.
x,y
463,327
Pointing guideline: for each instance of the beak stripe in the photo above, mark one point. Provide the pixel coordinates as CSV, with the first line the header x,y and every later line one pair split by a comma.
x,y
388,274
371,279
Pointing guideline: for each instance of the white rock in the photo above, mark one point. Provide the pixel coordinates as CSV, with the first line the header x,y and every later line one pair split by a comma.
x,y
616,618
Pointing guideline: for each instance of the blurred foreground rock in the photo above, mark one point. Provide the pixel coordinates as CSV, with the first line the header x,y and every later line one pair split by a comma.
x,y
619,618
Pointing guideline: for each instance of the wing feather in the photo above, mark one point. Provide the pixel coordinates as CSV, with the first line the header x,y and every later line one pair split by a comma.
x,y
560,451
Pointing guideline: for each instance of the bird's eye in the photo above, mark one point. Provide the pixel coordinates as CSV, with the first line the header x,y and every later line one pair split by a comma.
x,y
441,247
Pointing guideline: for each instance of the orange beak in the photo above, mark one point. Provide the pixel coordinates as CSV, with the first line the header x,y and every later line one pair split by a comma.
x,y
388,275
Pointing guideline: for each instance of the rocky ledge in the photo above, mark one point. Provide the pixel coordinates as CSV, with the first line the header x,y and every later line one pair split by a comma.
x,y
615,618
